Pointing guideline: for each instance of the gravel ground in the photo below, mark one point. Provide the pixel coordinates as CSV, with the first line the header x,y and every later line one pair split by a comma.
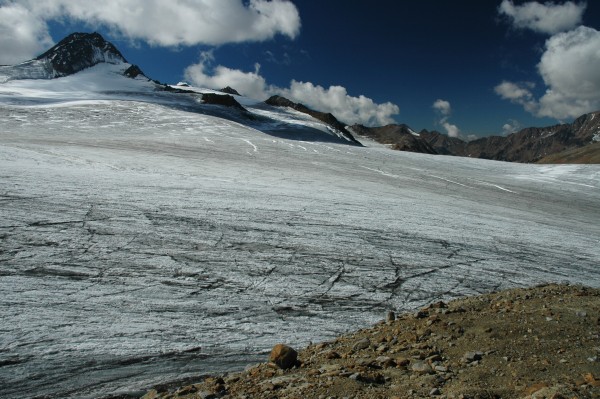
x,y
541,342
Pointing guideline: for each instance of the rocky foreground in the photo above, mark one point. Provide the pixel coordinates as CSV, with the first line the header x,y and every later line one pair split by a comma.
x,y
542,342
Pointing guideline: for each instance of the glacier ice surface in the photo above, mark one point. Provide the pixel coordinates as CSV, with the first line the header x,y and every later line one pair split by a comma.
x,y
140,243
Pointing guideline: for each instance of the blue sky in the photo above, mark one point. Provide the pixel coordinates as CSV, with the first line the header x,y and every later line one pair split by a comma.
x,y
466,68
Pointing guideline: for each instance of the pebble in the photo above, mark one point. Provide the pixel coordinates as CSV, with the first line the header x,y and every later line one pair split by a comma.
x,y
391,316
420,367
362,344
473,356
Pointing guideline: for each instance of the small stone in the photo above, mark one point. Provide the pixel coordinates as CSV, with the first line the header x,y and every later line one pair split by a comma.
x,y
473,356
284,356
581,313
355,376
420,367
421,314
402,362
386,361
530,390
362,344
332,355
391,316
382,348
435,392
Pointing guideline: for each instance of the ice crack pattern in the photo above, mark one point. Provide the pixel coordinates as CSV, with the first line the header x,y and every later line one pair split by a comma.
x,y
149,244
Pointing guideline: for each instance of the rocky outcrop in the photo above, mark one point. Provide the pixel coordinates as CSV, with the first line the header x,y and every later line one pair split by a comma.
x,y
229,90
328,118
398,137
221,99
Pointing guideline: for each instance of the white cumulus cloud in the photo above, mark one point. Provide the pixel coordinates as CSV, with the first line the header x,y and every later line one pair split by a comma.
x,y
549,18
334,99
158,22
23,34
443,108
518,93
511,126
345,107
250,84
570,69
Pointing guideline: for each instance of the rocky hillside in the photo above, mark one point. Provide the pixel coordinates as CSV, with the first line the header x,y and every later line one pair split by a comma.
x,y
588,154
328,118
536,343
528,145
397,137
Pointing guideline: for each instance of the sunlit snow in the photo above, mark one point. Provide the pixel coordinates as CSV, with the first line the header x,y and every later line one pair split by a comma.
x,y
145,238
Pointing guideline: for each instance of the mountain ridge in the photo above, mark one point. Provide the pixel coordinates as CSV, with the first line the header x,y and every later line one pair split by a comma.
x,y
530,144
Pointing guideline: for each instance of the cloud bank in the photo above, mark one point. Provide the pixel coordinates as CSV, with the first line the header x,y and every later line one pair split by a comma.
x,y
549,18
157,22
22,34
569,65
334,99
443,108
570,69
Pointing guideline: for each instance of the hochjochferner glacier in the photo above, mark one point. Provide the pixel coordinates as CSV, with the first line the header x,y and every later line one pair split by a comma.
x,y
147,237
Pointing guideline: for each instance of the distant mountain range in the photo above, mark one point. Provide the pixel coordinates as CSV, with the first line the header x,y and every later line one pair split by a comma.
x,y
527,145
565,143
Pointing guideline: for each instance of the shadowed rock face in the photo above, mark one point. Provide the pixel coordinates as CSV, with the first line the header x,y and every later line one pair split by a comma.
x,y
221,99
328,118
79,51
229,90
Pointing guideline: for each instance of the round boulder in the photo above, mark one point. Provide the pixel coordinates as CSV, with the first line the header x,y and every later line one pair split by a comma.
x,y
283,356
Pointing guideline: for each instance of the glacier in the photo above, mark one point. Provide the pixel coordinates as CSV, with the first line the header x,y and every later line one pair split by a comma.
x,y
147,238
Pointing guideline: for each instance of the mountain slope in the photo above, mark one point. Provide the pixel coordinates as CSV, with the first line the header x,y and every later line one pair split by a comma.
x,y
328,118
398,137
85,67
590,154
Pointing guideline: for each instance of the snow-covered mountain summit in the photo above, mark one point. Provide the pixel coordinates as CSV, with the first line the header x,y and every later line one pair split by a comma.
x,y
79,51
73,54
85,67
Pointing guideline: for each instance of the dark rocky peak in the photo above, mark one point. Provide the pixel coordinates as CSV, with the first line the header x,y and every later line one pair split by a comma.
x,y
79,51
133,72
229,90
221,99
279,101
